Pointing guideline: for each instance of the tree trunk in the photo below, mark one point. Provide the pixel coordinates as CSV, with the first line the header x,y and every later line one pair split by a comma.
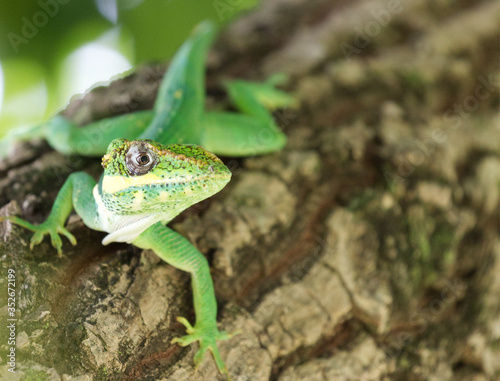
x,y
367,249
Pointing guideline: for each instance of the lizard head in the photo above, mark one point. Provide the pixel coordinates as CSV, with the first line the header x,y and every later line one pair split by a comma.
x,y
142,177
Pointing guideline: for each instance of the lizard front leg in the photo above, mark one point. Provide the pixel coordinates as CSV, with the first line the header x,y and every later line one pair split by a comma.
x,y
179,252
77,191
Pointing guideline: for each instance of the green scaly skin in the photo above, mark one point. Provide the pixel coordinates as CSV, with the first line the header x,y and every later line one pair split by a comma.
x,y
145,184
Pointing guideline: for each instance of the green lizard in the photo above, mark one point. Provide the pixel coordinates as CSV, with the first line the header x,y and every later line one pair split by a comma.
x,y
146,184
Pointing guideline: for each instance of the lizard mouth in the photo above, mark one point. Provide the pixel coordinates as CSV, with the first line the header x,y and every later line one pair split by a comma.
x,y
112,184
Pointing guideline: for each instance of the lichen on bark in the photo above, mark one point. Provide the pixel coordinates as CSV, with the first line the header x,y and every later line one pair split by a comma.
x,y
367,249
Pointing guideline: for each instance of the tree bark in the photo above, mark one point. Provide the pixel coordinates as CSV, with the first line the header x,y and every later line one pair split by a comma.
x,y
367,249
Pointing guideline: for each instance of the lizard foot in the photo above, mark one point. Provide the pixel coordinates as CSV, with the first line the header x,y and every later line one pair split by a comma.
x,y
207,336
263,92
48,227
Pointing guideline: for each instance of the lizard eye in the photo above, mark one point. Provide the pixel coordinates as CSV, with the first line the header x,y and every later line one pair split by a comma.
x,y
143,159
140,159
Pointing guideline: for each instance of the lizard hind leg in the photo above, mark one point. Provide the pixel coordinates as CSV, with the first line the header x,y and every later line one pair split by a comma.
x,y
232,134
257,98
254,131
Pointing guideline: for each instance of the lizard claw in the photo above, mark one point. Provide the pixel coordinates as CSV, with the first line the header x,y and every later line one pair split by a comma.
x,y
50,227
208,337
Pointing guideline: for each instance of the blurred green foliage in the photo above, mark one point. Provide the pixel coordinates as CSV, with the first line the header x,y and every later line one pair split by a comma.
x,y
38,36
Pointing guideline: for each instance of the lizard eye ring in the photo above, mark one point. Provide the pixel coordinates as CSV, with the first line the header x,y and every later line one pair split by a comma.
x,y
140,159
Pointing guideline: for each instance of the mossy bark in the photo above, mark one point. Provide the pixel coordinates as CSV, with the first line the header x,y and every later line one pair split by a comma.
x,y
367,249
